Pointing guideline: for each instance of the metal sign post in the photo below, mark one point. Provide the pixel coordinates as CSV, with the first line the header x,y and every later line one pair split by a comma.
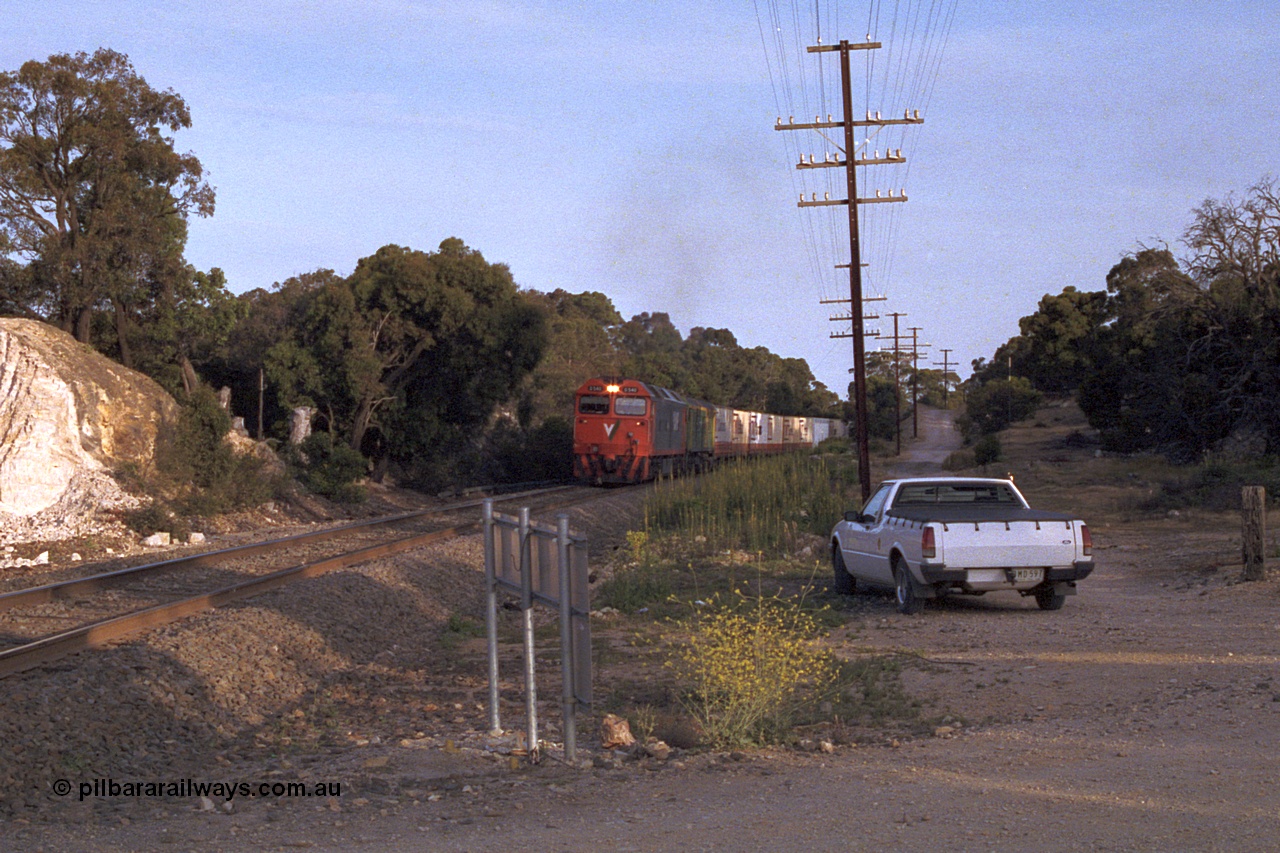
x,y
542,565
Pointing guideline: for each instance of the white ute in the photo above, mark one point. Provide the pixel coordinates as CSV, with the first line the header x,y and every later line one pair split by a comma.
x,y
931,537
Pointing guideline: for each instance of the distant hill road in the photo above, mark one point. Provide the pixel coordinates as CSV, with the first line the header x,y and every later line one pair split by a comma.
x,y
923,456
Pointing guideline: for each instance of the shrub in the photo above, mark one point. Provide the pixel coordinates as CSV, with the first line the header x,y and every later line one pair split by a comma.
x,y
331,468
199,469
986,449
751,668
995,405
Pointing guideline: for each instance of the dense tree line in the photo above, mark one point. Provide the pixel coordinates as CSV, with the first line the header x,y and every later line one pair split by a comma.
x,y
431,364
1176,355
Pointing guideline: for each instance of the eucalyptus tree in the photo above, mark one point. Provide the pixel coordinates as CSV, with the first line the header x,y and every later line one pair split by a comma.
x,y
94,198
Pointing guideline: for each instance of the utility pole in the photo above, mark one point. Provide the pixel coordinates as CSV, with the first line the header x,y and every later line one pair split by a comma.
x,y
915,377
850,162
946,366
897,383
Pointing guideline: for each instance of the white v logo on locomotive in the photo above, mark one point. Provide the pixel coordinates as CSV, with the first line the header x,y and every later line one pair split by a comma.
x,y
610,429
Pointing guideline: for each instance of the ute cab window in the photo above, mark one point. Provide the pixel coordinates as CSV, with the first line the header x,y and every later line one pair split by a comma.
x,y
629,406
593,405
966,493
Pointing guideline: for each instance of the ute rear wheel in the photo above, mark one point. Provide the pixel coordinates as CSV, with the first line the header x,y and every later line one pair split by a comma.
x,y
905,589
842,582
1049,598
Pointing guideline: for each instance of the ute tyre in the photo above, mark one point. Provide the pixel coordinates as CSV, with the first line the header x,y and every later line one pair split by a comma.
x,y
1048,598
904,590
842,583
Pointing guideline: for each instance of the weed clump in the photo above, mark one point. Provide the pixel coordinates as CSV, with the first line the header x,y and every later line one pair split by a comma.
x,y
750,668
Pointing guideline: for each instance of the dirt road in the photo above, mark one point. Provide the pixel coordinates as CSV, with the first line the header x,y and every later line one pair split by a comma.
x,y
1142,716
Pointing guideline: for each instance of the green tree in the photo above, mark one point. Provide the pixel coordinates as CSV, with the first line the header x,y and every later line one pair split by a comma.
x,y
579,346
93,196
1060,340
407,357
993,406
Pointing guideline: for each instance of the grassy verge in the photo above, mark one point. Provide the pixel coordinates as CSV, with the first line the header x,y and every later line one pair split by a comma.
x,y
724,614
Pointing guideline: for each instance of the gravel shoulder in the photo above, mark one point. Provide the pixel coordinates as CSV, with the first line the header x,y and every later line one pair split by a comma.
x,y
1140,717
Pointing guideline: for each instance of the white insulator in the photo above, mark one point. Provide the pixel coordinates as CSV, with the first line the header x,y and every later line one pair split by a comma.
x,y
826,196
877,115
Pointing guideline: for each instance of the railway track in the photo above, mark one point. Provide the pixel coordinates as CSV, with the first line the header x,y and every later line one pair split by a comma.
x,y
43,623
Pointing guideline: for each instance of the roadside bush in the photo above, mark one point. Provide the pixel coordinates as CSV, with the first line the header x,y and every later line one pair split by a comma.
x,y
750,669
1216,485
986,449
199,469
331,468
995,405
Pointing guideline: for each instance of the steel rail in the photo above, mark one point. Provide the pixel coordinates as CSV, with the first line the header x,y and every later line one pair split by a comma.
x,y
95,635
20,658
65,589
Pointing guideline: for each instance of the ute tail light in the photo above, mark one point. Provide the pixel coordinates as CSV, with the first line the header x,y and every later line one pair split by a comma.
x,y
1086,541
928,545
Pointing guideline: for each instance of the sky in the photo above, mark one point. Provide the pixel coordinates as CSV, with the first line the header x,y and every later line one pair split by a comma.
x,y
630,148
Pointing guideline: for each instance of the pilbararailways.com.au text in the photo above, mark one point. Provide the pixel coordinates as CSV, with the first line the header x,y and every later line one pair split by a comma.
x,y
192,788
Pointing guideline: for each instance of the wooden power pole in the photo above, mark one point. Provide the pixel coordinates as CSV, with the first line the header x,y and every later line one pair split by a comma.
x,y
850,163
946,367
897,383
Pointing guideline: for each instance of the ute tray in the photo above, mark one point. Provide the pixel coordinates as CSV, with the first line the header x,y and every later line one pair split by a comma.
x,y
960,513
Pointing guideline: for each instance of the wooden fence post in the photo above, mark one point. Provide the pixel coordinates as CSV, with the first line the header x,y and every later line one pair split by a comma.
x,y
1253,522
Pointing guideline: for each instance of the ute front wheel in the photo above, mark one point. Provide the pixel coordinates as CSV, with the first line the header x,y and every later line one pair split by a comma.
x,y
842,582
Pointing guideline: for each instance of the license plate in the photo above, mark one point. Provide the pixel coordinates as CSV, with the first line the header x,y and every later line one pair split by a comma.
x,y
1028,575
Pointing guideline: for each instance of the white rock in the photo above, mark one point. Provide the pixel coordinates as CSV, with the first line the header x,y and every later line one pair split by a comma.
x,y
42,559
195,538
156,540
75,558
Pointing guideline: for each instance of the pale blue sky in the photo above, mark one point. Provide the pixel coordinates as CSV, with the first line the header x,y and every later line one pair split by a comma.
x,y
629,148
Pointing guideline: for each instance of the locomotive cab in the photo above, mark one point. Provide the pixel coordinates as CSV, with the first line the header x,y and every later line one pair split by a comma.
x,y
612,432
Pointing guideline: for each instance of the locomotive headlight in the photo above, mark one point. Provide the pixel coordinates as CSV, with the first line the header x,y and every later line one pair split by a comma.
x,y
612,389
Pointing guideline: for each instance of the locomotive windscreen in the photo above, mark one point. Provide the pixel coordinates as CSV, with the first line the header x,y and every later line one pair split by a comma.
x,y
629,406
593,405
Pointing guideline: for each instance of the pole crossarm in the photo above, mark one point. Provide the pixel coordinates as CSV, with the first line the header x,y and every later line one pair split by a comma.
x,y
844,45
829,124
827,202
864,160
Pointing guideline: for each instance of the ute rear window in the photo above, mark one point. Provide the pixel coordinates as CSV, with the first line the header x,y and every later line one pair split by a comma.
x,y
956,493
593,405
629,406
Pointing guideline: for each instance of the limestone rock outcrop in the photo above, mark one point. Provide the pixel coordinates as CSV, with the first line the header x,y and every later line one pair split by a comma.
x,y
66,412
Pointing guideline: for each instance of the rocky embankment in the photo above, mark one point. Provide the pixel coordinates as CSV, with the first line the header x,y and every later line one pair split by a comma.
x,y
68,417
